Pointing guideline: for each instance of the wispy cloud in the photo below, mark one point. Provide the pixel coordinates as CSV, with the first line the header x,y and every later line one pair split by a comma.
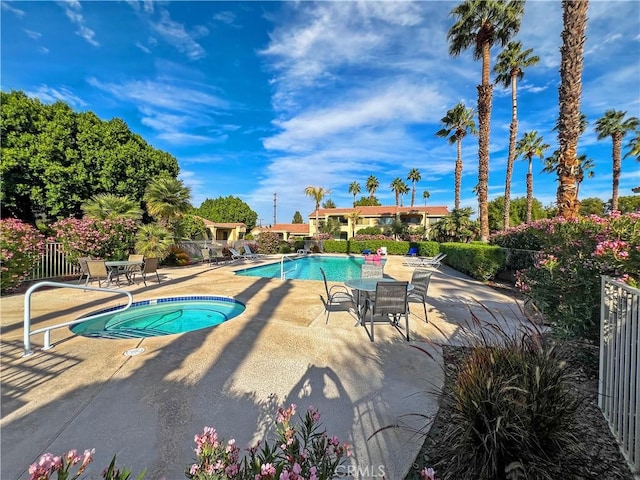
x,y
226,17
50,95
73,9
142,47
33,35
175,34
7,5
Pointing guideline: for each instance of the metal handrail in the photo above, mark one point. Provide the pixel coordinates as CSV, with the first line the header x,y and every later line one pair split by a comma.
x,y
283,274
47,330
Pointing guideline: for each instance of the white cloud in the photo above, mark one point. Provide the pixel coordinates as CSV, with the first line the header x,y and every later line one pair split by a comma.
x,y
142,47
180,138
72,9
50,95
175,34
7,5
226,17
33,35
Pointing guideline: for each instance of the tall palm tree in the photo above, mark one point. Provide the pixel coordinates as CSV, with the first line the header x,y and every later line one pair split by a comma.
x,y
372,185
354,188
529,146
353,219
585,165
426,196
574,19
167,198
317,193
106,205
509,68
404,189
399,188
414,177
479,25
458,122
613,124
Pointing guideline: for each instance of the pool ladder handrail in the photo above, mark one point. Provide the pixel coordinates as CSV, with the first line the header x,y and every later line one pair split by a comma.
x,y
283,274
47,330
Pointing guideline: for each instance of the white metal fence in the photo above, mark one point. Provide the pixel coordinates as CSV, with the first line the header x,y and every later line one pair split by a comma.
x,y
53,264
619,385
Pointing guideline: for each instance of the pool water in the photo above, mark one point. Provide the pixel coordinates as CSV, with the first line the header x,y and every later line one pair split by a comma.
x,y
165,316
337,269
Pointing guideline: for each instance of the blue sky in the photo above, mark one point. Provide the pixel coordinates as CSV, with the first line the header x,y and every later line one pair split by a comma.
x,y
257,98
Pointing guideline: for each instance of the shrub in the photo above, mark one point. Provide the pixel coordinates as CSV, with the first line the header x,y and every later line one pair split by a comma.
x,y
369,231
425,249
478,260
21,246
511,407
111,239
564,281
269,243
178,257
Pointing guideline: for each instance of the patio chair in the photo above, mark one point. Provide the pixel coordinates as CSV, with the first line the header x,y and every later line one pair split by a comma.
x,y
420,281
371,270
391,302
150,266
235,255
206,256
131,272
336,294
98,270
247,251
84,270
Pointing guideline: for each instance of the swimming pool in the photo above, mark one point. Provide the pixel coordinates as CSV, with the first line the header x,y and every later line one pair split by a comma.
x,y
162,316
337,269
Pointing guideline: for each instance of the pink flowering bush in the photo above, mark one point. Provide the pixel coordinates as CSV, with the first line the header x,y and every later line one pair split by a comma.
x,y
300,452
62,466
21,246
111,238
564,281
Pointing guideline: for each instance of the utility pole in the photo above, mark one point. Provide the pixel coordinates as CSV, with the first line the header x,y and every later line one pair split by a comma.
x,y
274,208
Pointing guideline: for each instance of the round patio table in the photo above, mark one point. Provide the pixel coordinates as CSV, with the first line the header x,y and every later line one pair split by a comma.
x,y
367,285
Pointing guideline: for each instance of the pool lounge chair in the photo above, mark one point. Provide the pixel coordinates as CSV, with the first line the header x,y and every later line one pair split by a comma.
x,y
235,255
433,262
247,251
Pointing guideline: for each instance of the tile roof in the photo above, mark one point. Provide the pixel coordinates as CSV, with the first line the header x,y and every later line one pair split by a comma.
x,y
290,227
436,210
209,223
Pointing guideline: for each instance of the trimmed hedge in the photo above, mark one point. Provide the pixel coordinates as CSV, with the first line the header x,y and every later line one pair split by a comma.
x,y
480,261
425,249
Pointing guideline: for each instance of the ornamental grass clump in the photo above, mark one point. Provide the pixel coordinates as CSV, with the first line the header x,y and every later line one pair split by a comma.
x,y
511,408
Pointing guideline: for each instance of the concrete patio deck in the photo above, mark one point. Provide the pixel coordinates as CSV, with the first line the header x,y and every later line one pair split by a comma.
x,y
84,393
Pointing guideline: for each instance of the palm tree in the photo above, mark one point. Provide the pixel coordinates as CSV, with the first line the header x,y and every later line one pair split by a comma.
x,y
317,193
414,176
529,146
585,164
354,188
634,147
106,205
574,19
153,241
353,219
426,196
458,122
399,188
479,25
614,125
372,185
509,69
166,199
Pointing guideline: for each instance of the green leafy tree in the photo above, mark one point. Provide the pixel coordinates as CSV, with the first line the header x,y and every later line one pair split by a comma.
x,y
457,123
330,226
455,227
328,204
614,124
372,185
480,24
518,213
191,227
106,205
592,206
297,218
354,189
509,68
414,177
228,210
628,204
529,146
367,202
574,20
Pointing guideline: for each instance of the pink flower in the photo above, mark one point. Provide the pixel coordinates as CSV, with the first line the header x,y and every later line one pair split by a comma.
x,y
428,474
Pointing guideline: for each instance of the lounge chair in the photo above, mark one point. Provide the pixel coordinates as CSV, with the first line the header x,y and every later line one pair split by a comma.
x,y
391,302
235,255
336,294
413,251
420,281
425,261
248,252
206,256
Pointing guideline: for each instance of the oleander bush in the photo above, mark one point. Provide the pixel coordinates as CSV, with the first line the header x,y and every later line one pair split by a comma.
x,y
564,281
21,246
269,243
478,260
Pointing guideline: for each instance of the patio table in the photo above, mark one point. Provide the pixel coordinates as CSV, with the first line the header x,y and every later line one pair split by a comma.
x,y
367,285
122,266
